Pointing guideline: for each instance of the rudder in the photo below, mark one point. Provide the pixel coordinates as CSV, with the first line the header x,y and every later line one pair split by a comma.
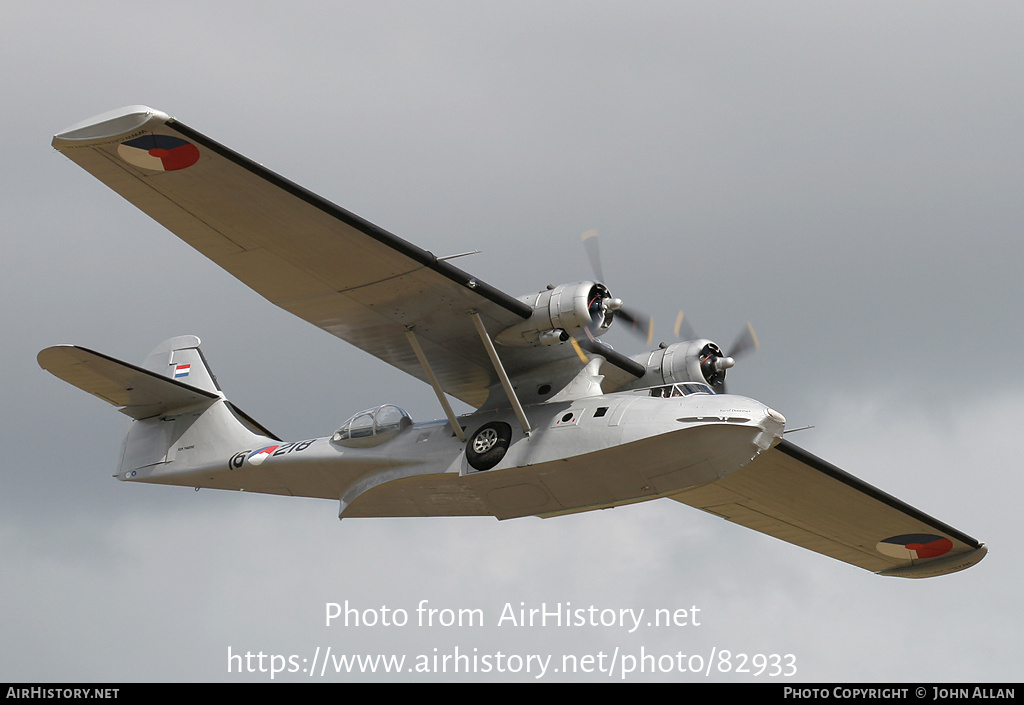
x,y
181,359
173,397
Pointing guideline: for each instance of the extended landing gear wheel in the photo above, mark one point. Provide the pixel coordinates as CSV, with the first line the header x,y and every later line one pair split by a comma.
x,y
487,446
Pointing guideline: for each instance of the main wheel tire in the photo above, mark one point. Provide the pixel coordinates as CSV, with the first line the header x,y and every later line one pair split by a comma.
x,y
488,445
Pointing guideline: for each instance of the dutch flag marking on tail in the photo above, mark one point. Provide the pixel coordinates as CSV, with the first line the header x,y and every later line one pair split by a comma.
x,y
181,371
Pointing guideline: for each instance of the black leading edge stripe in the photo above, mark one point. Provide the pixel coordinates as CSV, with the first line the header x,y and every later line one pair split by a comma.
x,y
424,257
832,471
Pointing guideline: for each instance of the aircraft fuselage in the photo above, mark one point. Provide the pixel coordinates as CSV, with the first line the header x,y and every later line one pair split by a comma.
x,y
584,454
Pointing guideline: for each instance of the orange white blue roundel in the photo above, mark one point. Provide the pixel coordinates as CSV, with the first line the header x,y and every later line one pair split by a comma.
x,y
258,456
159,152
915,547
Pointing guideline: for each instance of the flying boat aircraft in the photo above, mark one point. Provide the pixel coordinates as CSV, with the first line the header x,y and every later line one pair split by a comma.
x,y
562,422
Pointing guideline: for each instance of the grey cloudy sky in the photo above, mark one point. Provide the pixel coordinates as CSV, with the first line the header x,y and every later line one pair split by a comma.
x,y
845,175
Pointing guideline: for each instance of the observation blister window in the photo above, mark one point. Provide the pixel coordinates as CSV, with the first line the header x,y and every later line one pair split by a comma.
x,y
372,427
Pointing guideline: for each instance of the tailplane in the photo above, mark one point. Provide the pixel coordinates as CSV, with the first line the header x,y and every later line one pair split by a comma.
x,y
179,413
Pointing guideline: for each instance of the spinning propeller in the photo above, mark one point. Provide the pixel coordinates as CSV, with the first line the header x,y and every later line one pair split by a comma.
x,y
713,362
640,324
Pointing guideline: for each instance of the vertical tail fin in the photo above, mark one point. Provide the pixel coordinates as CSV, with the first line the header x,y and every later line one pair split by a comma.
x,y
180,414
181,359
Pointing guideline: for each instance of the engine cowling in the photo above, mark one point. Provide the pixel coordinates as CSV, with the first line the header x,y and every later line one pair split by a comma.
x,y
570,310
689,361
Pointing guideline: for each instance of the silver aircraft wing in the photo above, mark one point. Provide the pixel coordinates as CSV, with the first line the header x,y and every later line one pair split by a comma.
x,y
790,494
307,255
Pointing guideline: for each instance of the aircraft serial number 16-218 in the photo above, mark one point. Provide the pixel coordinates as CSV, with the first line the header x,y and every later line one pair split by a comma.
x,y
563,423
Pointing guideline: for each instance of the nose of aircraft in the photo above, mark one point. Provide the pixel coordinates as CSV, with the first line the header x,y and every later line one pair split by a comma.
x,y
772,427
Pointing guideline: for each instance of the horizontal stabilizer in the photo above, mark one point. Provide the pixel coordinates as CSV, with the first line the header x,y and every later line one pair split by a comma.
x,y
139,393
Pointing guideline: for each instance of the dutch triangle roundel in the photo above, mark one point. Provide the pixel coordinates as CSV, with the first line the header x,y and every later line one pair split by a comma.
x,y
915,547
159,152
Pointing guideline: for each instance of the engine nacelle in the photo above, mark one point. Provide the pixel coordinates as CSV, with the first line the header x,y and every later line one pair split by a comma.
x,y
561,312
688,361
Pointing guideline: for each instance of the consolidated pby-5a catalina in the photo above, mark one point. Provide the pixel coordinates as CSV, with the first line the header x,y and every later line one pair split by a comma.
x,y
563,422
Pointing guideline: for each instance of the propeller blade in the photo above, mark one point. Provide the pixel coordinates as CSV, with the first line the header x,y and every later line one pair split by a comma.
x,y
746,343
640,323
683,329
579,350
593,253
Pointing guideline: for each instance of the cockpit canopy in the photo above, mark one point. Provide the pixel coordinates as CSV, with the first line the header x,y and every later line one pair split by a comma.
x,y
681,389
372,427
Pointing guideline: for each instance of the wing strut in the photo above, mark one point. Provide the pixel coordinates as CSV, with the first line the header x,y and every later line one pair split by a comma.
x,y
452,421
505,382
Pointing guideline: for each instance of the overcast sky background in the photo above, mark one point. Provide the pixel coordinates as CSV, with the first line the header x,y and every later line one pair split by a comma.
x,y
846,175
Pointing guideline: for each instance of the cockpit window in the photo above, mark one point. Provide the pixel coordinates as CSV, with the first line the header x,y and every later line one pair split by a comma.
x,y
372,427
683,389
